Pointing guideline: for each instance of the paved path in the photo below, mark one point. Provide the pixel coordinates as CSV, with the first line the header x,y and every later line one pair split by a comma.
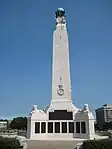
x,y
47,144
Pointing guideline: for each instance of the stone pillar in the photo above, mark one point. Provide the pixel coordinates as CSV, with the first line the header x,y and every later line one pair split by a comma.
x,y
86,127
67,127
40,127
60,127
53,127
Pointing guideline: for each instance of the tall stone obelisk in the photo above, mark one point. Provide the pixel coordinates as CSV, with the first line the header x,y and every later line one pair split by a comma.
x,y
61,85
61,119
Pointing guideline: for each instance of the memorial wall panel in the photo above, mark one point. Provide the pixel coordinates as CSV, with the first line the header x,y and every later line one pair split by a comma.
x,y
50,127
64,127
77,127
71,127
57,127
43,127
83,127
60,115
37,127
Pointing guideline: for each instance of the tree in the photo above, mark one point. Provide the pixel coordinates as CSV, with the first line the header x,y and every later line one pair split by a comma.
x,y
19,123
97,144
9,143
3,120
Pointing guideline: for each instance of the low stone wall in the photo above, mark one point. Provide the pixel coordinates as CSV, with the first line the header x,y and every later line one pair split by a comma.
x,y
102,133
22,134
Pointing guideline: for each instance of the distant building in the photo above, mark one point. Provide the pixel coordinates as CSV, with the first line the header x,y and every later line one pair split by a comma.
x,y
104,114
3,124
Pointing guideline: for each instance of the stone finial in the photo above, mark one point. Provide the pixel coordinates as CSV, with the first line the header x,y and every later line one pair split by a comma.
x,y
34,108
85,108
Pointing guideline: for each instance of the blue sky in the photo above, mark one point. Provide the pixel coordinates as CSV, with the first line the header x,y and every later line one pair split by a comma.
x,y
26,30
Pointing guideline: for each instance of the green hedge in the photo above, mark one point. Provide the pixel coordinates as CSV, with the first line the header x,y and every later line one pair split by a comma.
x,y
98,144
9,143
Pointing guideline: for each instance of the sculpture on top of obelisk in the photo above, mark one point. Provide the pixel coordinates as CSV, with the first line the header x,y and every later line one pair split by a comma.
x,y
60,16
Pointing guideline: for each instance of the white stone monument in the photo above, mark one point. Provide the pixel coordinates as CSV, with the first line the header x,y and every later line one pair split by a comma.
x,y
61,120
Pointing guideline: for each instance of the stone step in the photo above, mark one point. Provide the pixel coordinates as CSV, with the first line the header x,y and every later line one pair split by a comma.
x,y
51,144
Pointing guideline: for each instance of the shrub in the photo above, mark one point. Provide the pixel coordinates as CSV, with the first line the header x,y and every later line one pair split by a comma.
x,y
9,143
97,144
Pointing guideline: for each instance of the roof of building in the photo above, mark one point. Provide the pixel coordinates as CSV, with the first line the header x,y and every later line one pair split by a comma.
x,y
3,122
107,105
